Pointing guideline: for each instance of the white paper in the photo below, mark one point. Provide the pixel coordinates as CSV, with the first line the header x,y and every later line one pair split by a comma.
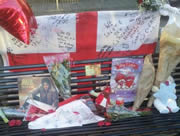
x,y
126,30
40,105
103,103
55,33
75,113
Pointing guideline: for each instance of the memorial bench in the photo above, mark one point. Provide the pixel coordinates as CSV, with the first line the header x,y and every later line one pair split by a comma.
x,y
150,125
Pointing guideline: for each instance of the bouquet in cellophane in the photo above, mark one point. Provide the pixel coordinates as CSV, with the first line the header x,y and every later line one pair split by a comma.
x,y
59,69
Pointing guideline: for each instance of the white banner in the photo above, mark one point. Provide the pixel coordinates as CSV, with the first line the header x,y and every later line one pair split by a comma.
x,y
55,33
126,30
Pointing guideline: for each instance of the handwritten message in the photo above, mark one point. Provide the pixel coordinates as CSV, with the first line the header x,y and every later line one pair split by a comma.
x,y
128,30
55,34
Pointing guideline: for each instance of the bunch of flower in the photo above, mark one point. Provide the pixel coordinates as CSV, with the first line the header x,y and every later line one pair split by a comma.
x,y
152,5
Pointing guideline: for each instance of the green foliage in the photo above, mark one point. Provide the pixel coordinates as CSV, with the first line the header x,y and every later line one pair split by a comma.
x,y
151,5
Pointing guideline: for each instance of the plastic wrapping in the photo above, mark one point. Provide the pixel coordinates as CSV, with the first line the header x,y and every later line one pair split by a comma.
x,y
146,81
13,112
169,46
169,55
59,68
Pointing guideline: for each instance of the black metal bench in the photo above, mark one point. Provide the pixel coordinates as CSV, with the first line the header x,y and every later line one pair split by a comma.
x,y
154,124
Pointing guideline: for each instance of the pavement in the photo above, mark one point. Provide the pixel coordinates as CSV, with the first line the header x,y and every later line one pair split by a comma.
x,y
41,7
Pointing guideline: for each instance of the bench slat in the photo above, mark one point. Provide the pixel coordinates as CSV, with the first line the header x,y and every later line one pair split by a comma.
x,y
141,125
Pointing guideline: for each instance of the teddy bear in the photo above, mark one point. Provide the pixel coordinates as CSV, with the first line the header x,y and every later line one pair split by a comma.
x,y
165,98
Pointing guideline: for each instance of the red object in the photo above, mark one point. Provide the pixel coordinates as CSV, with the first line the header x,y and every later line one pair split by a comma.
x,y
130,81
13,123
18,122
101,123
17,18
123,79
99,99
51,111
33,110
120,102
119,77
108,123
107,90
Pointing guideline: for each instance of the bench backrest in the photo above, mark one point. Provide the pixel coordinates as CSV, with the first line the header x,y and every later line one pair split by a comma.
x,y
80,84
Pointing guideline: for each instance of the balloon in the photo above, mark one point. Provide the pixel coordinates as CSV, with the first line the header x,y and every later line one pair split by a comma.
x,y
17,18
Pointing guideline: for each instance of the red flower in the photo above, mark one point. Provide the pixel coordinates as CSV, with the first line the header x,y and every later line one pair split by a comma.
x,y
18,122
12,123
101,123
